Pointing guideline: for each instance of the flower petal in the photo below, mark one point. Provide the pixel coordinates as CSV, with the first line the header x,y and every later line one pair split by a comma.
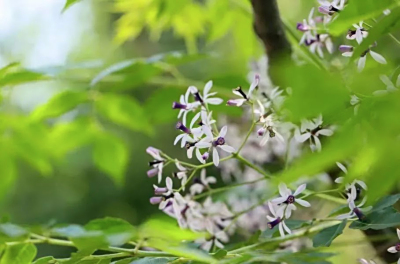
x,y
279,200
207,131
215,157
325,132
223,131
199,156
317,143
283,190
207,88
378,57
202,144
195,118
342,168
398,233
303,202
227,148
287,229
214,101
301,137
168,182
392,250
281,232
300,189
361,63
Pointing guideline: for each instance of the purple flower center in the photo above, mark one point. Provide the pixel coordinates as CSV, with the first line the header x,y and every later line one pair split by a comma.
x,y
302,27
176,105
274,223
397,247
220,141
197,97
188,145
155,162
290,199
359,214
183,128
345,48
239,90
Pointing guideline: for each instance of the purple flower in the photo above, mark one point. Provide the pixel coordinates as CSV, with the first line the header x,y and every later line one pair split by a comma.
x,y
157,163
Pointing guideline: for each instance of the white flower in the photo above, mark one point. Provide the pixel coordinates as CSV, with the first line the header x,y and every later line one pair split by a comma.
x,y
199,187
347,51
351,185
182,174
189,134
312,130
277,219
307,27
364,261
245,97
185,106
358,34
330,7
219,142
390,87
157,163
355,211
319,42
268,129
288,199
395,249
206,98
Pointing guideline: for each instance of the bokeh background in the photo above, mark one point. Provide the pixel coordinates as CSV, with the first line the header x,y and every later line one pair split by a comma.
x,y
56,180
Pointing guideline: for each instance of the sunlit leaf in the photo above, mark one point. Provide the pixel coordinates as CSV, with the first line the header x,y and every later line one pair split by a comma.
x,y
44,260
359,10
110,154
13,74
19,254
59,104
123,110
69,3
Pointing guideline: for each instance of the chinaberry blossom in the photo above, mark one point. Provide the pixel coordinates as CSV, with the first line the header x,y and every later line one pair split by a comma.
x,y
206,98
181,174
213,143
396,248
330,7
319,42
307,27
277,219
359,33
203,183
189,134
390,86
268,130
311,130
347,51
357,185
288,198
245,97
355,210
157,163
185,106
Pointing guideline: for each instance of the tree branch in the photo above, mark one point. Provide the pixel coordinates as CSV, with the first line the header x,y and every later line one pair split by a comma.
x,y
269,28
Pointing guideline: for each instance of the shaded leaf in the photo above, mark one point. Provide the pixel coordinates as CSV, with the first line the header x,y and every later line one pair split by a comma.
x,y
327,235
377,220
44,260
10,232
386,202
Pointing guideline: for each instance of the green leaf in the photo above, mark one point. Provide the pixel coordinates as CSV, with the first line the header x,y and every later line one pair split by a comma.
x,y
8,170
326,236
158,106
117,231
377,220
359,10
327,95
341,209
385,202
384,26
94,261
19,254
13,74
71,136
135,72
10,232
146,261
59,104
69,3
45,260
110,155
124,111
220,254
